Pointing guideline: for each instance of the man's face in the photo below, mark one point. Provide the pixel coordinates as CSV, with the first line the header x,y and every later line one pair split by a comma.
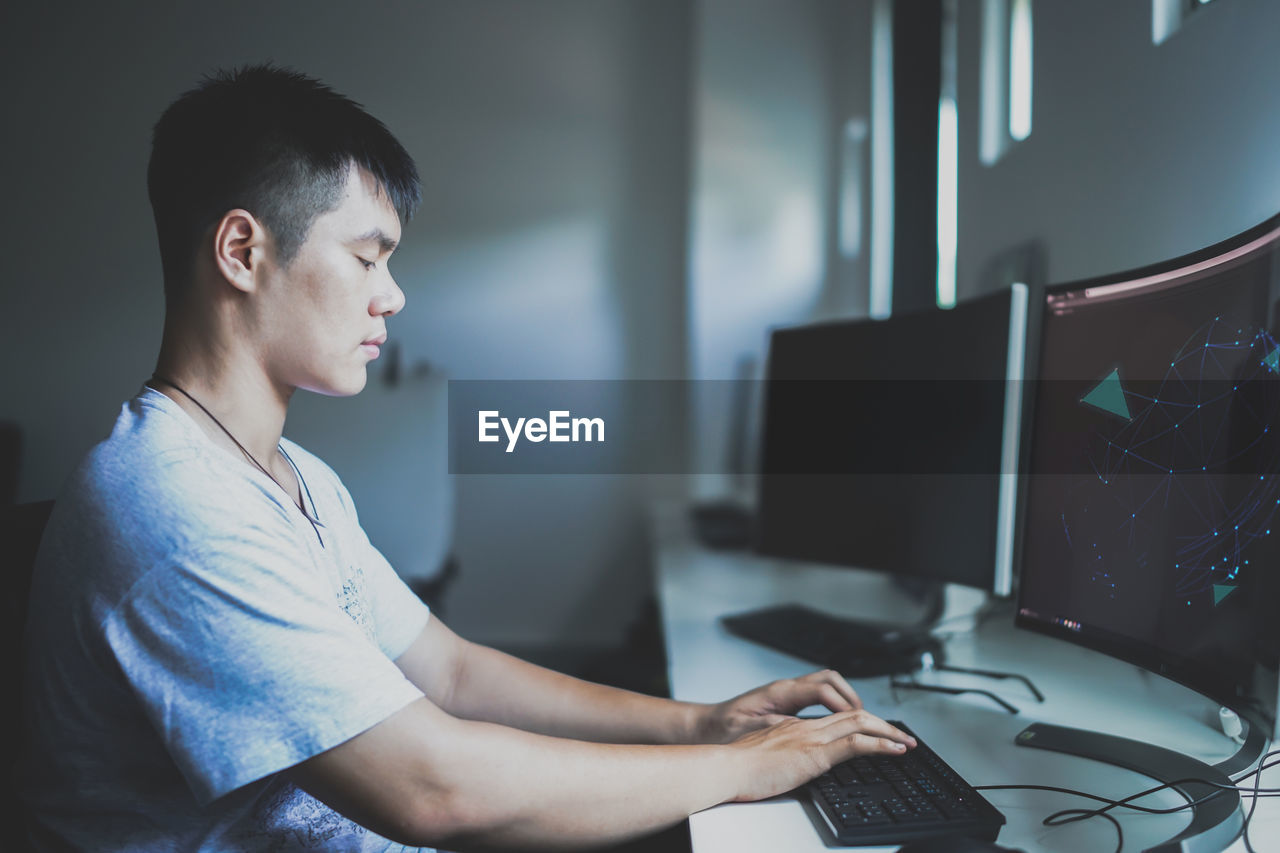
x,y
324,317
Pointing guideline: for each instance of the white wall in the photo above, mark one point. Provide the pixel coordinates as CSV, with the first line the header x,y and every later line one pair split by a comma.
x,y
774,81
551,137
1138,153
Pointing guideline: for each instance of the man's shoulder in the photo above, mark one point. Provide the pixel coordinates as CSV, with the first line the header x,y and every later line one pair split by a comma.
x,y
145,439
155,480
151,460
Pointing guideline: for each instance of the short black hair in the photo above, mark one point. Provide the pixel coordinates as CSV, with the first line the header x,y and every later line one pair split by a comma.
x,y
269,140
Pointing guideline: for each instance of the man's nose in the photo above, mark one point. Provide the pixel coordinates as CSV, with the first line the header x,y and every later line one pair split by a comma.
x,y
389,300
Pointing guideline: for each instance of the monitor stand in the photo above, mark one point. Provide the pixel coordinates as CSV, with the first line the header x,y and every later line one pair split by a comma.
x,y
1214,823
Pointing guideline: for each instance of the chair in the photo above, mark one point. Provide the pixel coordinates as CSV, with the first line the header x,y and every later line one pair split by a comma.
x,y
21,527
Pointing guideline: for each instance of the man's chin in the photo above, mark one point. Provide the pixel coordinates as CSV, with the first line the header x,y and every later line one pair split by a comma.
x,y
352,386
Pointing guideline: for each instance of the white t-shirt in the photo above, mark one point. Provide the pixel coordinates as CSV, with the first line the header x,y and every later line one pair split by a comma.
x,y
190,637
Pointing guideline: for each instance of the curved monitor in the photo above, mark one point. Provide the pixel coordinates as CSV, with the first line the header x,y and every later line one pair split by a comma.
x,y
1151,496
884,442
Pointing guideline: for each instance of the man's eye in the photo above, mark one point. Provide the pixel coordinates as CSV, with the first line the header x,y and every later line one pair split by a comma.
x,y
367,264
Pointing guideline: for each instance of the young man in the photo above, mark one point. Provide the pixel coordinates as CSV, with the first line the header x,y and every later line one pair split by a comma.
x,y
218,659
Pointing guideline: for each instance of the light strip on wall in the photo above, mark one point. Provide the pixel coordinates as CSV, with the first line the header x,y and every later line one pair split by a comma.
x,y
994,107
1020,48
948,200
852,155
948,159
1166,16
881,159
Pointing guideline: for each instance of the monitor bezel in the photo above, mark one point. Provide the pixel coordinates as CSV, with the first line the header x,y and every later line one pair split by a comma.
x,y
1177,668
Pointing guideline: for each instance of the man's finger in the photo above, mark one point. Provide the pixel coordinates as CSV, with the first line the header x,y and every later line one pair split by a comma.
x,y
836,680
803,693
863,722
841,718
864,744
833,700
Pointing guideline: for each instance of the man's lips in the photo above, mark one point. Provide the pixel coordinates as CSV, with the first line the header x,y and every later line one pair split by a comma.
x,y
370,347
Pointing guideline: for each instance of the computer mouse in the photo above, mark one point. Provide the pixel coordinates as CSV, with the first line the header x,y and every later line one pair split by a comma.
x,y
954,844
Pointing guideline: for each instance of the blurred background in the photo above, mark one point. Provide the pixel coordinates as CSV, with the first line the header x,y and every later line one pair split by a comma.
x,y
620,189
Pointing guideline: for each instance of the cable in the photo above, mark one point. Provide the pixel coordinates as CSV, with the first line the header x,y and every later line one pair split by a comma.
x,y
1049,821
1071,815
1257,781
1119,832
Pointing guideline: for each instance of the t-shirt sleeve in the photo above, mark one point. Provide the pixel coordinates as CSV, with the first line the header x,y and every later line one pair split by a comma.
x,y
243,663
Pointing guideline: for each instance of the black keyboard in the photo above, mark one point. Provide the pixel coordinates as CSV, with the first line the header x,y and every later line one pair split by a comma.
x,y
855,649
893,799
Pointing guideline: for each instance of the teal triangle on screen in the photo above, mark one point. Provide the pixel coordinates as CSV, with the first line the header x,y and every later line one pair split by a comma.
x,y
1108,395
1221,591
1273,361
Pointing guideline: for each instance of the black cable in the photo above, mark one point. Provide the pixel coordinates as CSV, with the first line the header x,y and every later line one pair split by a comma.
x,y
1257,781
1126,802
1244,830
1085,813
1048,821
1071,815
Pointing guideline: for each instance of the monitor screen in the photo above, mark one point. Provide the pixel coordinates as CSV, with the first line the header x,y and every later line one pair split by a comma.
x,y
1151,522
884,440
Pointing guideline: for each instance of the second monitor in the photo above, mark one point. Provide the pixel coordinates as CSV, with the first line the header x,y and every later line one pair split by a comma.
x,y
892,444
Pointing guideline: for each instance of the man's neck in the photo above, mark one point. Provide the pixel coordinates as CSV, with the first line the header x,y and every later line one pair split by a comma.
x,y
232,386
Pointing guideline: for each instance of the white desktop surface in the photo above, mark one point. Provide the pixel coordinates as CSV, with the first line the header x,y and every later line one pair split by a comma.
x,y
1082,689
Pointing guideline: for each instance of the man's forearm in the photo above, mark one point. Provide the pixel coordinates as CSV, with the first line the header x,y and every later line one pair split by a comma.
x,y
495,687
426,778
541,793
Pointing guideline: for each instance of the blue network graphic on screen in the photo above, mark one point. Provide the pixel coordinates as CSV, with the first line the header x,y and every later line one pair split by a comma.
x,y
1186,470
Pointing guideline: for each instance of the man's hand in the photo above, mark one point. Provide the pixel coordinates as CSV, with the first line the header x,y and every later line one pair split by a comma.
x,y
774,703
785,756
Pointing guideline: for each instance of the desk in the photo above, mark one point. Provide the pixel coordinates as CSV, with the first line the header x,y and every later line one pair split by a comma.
x,y
1082,688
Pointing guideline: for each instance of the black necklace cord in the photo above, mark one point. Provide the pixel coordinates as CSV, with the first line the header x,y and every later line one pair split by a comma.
x,y
309,516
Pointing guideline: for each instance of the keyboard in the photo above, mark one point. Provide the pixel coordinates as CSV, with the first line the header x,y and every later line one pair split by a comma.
x,y
855,649
894,799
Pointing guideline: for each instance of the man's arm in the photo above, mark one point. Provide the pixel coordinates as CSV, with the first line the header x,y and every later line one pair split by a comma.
x,y
475,682
423,777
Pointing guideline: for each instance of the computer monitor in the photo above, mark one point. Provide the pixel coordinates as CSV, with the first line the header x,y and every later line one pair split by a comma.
x,y
1151,523
884,442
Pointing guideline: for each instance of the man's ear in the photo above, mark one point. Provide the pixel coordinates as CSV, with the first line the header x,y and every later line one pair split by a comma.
x,y
239,247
